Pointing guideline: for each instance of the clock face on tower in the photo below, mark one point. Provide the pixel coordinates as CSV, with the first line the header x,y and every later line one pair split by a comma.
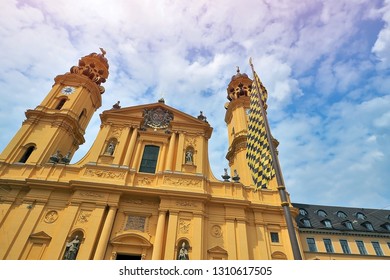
x,y
68,90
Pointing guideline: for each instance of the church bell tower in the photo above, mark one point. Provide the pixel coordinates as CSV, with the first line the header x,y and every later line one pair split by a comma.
x,y
53,131
236,118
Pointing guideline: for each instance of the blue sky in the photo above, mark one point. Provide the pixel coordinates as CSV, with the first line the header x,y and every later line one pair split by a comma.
x,y
325,64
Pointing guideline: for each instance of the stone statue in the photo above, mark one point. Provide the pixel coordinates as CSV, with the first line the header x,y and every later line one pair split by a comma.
x,y
72,248
183,253
110,148
189,157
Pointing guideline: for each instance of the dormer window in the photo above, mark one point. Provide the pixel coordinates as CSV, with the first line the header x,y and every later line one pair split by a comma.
x,y
360,216
386,226
306,222
327,223
321,213
302,212
348,225
341,214
368,226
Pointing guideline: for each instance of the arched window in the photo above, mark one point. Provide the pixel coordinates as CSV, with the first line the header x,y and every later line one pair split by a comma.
x,y
327,223
27,153
360,216
302,212
306,222
149,159
386,226
341,215
61,104
321,213
82,114
348,225
368,226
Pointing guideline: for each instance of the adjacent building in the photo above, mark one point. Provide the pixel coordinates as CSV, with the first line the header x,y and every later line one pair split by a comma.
x,y
343,233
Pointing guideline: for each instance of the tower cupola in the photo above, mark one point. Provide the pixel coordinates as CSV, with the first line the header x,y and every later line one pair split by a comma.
x,y
95,67
240,85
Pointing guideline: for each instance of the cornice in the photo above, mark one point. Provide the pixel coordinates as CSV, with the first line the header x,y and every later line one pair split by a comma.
x,y
243,102
344,233
238,144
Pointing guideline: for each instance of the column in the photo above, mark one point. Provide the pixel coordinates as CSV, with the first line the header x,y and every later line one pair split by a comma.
x,y
242,241
170,253
28,222
161,161
197,243
180,148
136,158
105,235
68,217
158,241
171,149
130,148
231,240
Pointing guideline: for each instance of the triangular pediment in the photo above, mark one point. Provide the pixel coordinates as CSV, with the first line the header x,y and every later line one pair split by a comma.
x,y
40,235
136,116
217,250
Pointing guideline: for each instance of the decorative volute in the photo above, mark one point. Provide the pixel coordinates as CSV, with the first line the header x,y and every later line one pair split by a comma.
x,y
95,67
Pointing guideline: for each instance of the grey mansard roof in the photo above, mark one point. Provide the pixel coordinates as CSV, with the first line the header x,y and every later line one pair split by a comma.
x,y
378,218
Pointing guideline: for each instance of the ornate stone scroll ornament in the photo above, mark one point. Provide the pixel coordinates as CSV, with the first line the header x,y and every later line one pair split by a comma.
x,y
157,118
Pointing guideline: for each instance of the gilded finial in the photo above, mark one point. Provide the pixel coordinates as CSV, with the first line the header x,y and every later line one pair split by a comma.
x,y
103,51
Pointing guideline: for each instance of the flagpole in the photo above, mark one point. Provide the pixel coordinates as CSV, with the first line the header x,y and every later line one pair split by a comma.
x,y
279,178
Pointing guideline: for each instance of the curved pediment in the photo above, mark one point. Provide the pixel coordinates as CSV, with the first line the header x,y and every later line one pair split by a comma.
x,y
133,239
279,256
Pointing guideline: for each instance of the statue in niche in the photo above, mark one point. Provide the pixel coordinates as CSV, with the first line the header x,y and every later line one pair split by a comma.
x,y
189,157
183,252
110,148
72,249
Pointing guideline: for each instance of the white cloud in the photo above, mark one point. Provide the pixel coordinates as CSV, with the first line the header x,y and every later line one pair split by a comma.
x,y
382,45
338,155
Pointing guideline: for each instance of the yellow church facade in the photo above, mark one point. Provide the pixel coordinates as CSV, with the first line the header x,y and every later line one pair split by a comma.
x,y
144,190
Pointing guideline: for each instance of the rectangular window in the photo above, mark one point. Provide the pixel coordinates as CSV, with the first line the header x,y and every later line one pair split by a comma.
x,y
377,248
345,246
361,247
328,245
274,237
149,159
312,244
